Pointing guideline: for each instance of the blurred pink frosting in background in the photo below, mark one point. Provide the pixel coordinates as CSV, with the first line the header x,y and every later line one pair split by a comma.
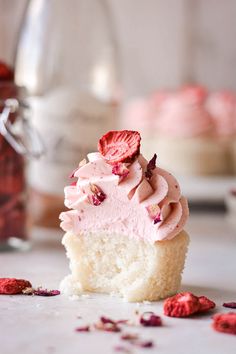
x,y
187,112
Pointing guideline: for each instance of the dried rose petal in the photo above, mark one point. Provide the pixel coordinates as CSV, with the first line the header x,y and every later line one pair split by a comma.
x,y
94,200
181,305
13,286
105,320
83,329
98,196
119,146
122,321
150,167
129,336
149,319
225,322
205,304
231,305
120,170
157,219
122,349
154,213
107,325
45,292
143,344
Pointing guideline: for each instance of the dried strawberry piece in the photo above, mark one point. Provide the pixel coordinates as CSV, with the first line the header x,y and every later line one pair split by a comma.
x,y
6,72
121,170
150,167
149,319
186,304
205,304
225,322
181,305
12,286
119,146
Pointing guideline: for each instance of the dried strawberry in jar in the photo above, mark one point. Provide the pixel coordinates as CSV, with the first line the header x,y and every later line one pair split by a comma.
x,y
13,148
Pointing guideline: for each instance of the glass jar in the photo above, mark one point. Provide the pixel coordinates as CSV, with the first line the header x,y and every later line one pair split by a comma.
x,y
67,61
17,140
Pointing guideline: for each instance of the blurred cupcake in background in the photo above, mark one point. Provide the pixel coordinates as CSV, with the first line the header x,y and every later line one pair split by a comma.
x,y
192,131
185,139
222,107
142,113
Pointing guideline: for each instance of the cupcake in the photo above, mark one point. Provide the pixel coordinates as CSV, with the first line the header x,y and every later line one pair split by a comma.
x,y
222,107
185,138
124,230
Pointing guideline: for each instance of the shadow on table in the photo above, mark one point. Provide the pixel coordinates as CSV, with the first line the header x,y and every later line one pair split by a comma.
x,y
216,294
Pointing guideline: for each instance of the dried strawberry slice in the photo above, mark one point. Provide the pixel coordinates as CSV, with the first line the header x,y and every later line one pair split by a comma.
x,y
181,305
119,146
12,286
6,73
225,322
205,304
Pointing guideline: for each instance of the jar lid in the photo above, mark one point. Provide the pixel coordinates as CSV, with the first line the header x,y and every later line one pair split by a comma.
x,y
20,134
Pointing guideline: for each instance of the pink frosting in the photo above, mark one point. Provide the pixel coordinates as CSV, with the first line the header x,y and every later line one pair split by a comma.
x,y
222,107
125,209
184,115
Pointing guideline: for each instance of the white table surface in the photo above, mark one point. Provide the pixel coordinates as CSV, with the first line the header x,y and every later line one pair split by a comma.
x,y
40,325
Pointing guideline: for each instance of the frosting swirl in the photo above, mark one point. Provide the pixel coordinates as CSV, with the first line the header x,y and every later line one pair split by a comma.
x,y
126,202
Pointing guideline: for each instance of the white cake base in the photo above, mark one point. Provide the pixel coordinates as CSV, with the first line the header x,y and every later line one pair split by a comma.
x,y
119,265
